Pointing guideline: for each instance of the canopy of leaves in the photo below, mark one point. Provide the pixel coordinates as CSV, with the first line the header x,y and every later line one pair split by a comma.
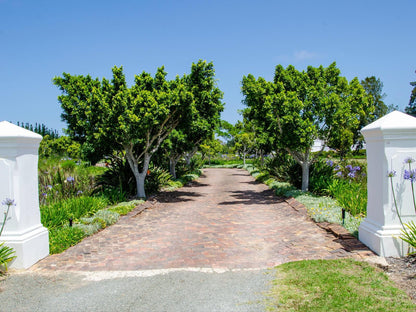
x,y
110,116
411,107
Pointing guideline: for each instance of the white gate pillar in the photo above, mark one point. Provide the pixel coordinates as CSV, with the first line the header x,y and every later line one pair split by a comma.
x,y
389,141
19,181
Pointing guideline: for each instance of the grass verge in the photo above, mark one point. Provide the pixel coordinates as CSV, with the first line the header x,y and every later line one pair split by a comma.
x,y
334,285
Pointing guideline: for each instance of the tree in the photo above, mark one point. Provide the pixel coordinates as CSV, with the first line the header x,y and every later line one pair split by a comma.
x,y
210,147
203,120
110,116
411,107
299,107
374,87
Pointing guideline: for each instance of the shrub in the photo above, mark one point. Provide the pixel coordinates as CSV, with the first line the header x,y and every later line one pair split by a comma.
x,y
320,177
120,178
61,239
352,196
57,214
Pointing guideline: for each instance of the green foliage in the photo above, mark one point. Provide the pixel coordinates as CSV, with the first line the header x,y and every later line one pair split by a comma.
x,y
62,238
125,207
119,179
7,254
411,107
157,179
352,196
57,214
374,87
108,116
59,147
321,177
61,179
299,107
334,285
409,235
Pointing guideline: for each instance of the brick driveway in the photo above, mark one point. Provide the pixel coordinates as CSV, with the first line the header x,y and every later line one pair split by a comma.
x,y
223,220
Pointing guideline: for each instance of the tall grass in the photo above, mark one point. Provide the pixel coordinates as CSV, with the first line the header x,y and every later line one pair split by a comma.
x,y
57,214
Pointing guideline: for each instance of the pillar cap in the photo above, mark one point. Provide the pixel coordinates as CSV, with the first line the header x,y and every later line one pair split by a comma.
x,y
394,123
9,131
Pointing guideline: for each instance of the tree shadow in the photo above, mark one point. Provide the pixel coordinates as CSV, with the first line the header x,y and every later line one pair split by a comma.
x,y
265,197
196,184
177,197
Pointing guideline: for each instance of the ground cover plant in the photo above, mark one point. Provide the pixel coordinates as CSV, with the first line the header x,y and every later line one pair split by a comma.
x,y
334,285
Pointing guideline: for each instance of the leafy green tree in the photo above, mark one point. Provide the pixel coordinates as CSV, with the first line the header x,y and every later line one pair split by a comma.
x,y
244,144
203,120
411,107
374,87
299,107
110,116
210,147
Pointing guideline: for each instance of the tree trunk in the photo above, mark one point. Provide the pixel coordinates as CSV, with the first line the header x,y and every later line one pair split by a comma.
x,y
139,176
172,166
188,159
305,175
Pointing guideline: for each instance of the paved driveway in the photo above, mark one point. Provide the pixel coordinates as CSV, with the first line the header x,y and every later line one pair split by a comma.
x,y
225,220
204,247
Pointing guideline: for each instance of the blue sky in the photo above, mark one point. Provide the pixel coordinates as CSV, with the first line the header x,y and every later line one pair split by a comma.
x,y
42,39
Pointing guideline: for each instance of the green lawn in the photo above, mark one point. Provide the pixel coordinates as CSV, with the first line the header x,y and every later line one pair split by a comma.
x,y
334,285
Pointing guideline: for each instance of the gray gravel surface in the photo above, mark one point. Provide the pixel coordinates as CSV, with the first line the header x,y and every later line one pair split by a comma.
x,y
135,291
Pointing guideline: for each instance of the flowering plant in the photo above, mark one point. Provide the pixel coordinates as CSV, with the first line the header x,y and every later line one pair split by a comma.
x,y
409,228
6,253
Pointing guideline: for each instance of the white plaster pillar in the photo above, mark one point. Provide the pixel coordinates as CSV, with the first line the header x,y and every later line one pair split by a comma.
x,y
389,141
19,181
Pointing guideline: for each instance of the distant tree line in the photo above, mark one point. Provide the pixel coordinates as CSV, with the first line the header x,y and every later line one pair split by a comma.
x,y
40,129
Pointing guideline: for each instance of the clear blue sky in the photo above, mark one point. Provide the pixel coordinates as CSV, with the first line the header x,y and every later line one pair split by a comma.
x,y
43,39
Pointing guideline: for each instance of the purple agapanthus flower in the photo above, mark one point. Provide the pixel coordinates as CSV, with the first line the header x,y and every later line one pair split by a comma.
x,y
337,167
356,168
349,167
330,163
49,186
409,160
70,179
8,202
351,174
410,175
79,192
339,173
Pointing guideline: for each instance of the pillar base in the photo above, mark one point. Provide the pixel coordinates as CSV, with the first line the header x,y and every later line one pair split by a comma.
x,y
383,240
30,247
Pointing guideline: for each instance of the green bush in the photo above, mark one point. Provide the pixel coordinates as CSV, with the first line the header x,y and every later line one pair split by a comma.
x,y
57,214
61,239
120,179
352,196
320,177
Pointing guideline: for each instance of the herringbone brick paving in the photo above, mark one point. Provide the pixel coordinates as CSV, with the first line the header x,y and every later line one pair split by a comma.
x,y
223,220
